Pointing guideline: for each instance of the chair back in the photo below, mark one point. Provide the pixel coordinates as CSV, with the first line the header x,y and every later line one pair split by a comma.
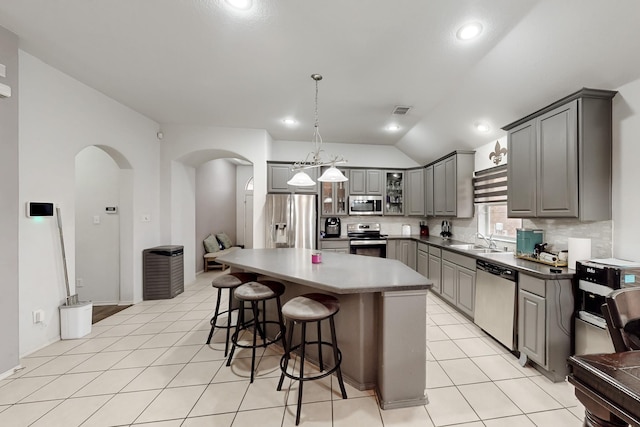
x,y
622,313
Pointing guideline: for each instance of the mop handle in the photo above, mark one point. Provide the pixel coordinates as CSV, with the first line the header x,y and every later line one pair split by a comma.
x,y
64,257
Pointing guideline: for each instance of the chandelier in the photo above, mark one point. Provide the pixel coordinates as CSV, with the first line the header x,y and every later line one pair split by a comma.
x,y
314,158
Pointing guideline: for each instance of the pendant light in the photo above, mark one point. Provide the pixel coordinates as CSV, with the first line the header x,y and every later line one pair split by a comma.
x,y
314,160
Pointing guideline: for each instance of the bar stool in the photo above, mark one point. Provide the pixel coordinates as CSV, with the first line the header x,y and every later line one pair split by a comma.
x,y
230,282
304,309
254,293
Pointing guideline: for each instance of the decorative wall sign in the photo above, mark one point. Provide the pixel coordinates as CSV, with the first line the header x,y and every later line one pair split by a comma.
x,y
497,153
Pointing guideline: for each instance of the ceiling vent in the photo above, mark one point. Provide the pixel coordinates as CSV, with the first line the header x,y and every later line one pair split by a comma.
x,y
400,110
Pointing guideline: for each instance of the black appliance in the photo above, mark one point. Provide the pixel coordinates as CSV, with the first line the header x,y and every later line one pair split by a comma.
x,y
332,227
595,280
365,239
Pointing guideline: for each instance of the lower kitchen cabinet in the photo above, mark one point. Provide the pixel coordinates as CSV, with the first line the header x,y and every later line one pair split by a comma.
x,y
459,281
531,326
340,246
403,250
422,259
545,308
435,269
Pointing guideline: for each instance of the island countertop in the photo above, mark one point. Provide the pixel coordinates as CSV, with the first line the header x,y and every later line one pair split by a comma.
x,y
337,273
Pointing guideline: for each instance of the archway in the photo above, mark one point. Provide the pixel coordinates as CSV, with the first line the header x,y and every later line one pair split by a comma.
x,y
213,182
103,221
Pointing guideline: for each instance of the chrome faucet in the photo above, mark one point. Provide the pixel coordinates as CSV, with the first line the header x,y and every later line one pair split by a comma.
x,y
490,243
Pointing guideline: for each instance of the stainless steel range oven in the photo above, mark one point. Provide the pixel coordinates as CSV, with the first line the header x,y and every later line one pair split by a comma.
x,y
365,239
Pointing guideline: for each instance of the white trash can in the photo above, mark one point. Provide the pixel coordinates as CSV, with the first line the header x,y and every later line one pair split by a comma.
x,y
75,320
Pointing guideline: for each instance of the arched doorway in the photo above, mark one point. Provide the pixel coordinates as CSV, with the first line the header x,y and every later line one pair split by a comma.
x,y
102,220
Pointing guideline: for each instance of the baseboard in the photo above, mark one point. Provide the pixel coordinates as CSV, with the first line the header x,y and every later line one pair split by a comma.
x,y
11,372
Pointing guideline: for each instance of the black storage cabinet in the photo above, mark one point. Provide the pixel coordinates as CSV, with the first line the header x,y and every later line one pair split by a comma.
x,y
162,272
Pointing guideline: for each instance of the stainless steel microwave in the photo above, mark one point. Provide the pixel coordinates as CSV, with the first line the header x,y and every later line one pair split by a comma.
x,y
365,205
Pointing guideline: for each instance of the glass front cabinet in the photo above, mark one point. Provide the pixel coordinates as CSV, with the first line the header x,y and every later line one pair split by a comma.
x,y
333,196
394,203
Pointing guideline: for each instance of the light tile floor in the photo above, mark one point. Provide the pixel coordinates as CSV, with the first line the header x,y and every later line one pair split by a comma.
x,y
148,365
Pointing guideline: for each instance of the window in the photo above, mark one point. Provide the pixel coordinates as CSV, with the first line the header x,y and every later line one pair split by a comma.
x,y
492,219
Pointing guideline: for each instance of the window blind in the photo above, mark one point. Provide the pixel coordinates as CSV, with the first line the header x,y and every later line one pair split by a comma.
x,y
490,185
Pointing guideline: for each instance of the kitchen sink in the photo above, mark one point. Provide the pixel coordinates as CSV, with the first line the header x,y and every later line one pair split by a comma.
x,y
466,247
475,248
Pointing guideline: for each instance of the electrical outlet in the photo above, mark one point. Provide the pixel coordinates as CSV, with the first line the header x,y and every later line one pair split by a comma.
x,y
79,283
96,219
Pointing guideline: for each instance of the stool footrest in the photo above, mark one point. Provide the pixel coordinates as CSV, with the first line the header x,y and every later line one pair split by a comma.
x,y
325,373
266,342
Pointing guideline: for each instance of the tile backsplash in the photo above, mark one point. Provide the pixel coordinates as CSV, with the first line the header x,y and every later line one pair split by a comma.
x,y
556,233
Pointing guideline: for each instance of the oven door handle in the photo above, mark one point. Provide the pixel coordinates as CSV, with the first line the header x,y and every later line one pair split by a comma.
x,y
367,242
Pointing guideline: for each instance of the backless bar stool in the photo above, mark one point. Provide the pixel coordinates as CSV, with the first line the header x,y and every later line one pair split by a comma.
x,y
230,282
304,309
254,293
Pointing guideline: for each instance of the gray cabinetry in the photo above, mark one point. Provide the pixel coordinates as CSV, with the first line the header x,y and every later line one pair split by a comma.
x,y
435,269
545,308
394,193
448,289
428,191
365,181
531,326
453,185
422,259
415,192
459,281
466,280
279,173
560,159
333,197
404,250
341,246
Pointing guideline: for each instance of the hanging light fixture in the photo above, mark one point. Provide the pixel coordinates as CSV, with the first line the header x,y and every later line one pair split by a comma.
x,y
314,159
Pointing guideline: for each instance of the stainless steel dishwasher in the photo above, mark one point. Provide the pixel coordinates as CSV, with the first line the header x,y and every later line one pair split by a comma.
x,y
496,303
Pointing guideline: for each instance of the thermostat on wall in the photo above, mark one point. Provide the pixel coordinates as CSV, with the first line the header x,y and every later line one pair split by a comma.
x,y
111,209
39,209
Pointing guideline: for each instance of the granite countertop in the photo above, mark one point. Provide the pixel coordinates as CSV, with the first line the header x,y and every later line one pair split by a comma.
x,y
507,259
338,273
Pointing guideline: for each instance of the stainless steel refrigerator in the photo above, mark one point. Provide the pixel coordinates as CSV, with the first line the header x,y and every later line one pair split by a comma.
x,y
291,221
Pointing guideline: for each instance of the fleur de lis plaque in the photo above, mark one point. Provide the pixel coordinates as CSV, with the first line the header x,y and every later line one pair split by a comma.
x,y
497,153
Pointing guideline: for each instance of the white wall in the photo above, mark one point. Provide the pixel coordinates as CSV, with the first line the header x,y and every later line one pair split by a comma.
x,y
97,245
9,206
482,160
357,155
187,147
215,203
243,174
58,118
626,174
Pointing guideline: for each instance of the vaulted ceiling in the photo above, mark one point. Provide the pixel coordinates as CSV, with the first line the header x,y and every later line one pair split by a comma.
x,y
203,62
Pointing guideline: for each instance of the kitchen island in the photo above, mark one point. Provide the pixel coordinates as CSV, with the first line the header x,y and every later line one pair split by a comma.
x,y
381,326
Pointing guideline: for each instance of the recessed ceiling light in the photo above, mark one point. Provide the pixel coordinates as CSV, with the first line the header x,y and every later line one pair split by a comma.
x,y
239,4
469,31
289,122
393,128
482,127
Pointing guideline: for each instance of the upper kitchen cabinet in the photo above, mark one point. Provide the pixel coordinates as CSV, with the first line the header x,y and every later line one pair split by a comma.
x,y
560,159
453,185
394,189
428,191
333,197
415,192
366,182
279,173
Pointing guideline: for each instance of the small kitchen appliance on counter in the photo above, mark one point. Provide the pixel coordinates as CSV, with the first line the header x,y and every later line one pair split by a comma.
x,y
596,279
332,227
526,241
445,230
424,229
